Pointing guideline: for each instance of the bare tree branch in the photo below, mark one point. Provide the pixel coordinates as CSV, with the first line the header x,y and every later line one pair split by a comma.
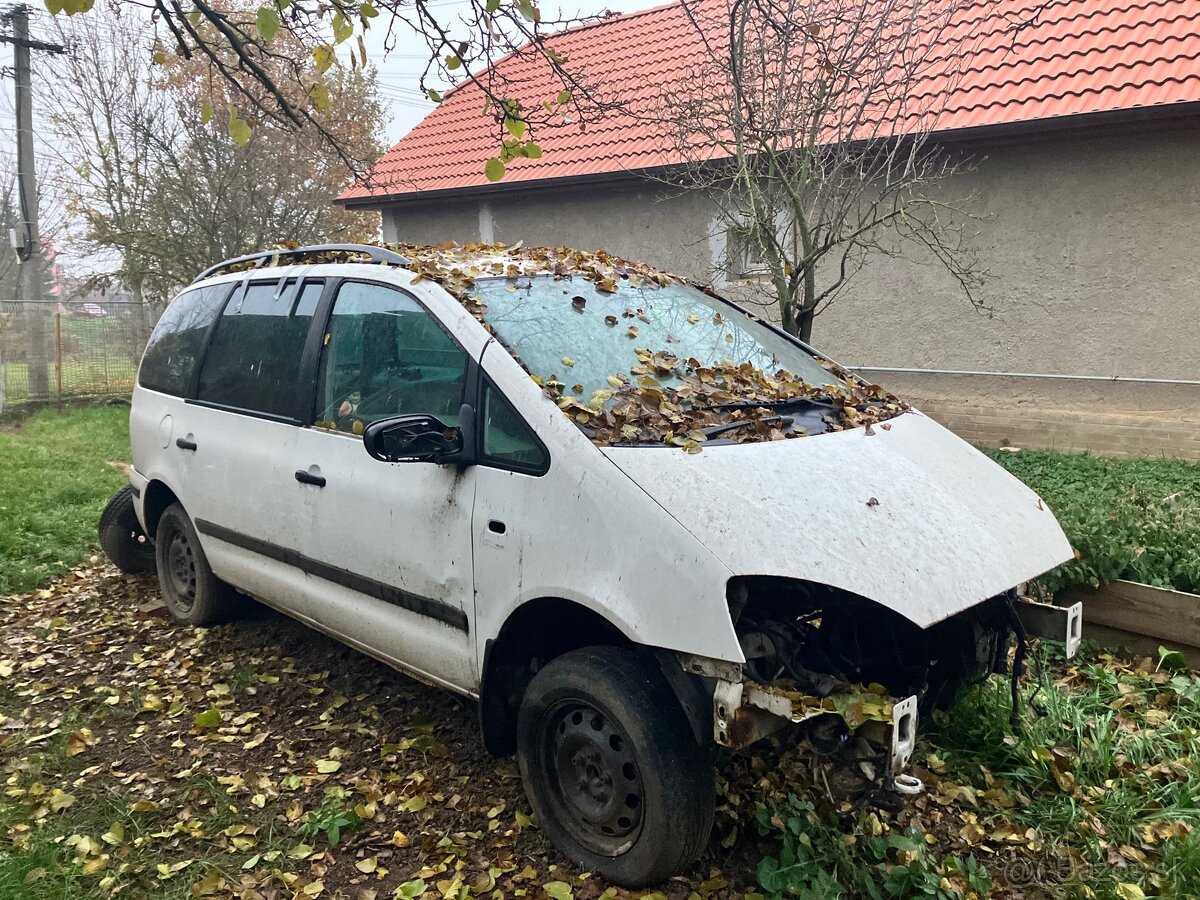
x,y
808,124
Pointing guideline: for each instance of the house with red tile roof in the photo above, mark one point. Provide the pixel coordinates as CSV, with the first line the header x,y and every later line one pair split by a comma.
x,y
1080,120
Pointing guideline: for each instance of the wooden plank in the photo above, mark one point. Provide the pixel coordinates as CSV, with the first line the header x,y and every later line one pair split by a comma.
x,y
1140,609
1137,644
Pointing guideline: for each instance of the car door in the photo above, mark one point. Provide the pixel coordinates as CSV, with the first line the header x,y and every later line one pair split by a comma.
x,y
389,542
245,417
162,421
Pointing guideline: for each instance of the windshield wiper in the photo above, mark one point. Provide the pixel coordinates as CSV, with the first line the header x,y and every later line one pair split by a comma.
x,y
773,404
713,430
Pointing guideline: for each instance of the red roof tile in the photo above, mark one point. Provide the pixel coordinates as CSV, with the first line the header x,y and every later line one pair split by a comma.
x,y
1073,57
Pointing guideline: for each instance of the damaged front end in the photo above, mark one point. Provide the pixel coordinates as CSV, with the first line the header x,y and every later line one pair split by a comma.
x,y
853,676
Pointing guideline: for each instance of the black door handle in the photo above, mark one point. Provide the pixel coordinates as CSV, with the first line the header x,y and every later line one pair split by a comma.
x,y
183,444
305,477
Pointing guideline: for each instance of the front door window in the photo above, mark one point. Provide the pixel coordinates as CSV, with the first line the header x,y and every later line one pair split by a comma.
x,y
385,356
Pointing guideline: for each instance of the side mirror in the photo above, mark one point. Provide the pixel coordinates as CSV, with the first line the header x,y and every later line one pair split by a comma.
x,y
416,438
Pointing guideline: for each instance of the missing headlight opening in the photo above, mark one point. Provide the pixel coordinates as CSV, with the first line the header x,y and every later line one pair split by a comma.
x,y
816,636
851,673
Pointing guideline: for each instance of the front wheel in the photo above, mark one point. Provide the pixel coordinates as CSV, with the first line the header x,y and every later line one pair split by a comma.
x,y
612,768
192,593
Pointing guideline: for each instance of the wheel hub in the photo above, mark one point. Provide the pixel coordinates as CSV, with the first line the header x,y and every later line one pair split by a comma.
x,y
181,569
597,783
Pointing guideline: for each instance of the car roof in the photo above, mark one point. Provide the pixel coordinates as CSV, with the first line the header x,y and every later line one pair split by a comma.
x,y
453,265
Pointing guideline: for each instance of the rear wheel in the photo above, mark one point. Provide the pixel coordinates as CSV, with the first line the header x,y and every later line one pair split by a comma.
x,y
192,593
122,538
612,767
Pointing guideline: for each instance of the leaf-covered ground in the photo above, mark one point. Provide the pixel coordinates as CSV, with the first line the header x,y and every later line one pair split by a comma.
x,y
262,760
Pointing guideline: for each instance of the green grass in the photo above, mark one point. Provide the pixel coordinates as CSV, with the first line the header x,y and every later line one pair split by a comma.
x,y
1127,518
54,482
1097,792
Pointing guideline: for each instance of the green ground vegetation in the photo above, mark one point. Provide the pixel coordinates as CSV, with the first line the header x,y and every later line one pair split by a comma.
x,y
1127,518
56,474
1093,797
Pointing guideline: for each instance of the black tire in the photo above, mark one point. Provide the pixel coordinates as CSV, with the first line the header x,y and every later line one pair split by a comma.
x,y
122,538
192,593
612,767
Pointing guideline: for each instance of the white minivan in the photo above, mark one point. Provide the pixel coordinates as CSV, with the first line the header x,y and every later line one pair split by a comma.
x,y
632,519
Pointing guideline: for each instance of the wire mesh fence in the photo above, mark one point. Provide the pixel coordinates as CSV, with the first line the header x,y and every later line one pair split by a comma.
x,y
60,351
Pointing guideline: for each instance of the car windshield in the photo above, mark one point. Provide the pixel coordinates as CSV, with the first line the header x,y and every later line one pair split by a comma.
x,y
574,331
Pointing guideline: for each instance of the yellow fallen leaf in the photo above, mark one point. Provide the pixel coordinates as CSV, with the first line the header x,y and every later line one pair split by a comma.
x,y
1129,891
208,885
300,851
368,865
80,741
328,766
60,800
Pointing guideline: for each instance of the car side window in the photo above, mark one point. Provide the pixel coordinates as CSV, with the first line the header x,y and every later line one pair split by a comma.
x,y
507,440
385,356
254,359
170,358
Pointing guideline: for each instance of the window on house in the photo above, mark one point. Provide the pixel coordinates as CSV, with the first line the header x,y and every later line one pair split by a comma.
x,y
745,249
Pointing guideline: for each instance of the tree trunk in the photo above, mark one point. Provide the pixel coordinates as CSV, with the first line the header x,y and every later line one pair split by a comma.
x,y
804,326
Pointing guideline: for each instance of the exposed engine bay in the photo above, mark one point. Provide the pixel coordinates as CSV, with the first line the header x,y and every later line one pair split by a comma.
x,y
851,676
815,637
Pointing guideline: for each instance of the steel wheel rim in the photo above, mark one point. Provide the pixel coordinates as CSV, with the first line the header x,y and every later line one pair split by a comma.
x,y
592,776
181,571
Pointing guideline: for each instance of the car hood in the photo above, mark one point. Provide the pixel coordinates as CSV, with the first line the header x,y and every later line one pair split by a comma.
x,y
909,516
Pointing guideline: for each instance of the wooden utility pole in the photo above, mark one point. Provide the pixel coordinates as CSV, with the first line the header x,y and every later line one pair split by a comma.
x,y
27,240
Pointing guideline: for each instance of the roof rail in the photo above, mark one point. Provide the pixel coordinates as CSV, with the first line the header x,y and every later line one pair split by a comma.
x,y
380,255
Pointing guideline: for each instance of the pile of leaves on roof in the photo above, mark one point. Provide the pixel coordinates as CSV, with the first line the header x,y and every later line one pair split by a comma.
x,y
637,407
263,761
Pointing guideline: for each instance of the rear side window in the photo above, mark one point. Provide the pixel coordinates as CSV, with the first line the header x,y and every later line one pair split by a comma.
x,y
170,358
254,359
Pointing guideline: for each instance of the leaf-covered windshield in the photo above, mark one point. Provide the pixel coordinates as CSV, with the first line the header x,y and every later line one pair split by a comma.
x,y
575,331
657,361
